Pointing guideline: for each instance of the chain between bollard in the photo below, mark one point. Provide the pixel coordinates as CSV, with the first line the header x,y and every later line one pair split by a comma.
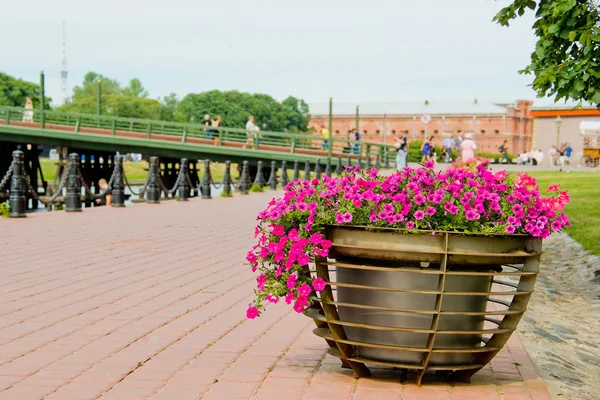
x,y
8,174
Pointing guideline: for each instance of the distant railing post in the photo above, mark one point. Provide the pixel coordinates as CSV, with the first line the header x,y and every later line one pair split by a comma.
x,y
7,117
149,131
77,124
293,146
73,198
328,167
17,199
113,128
184,137
99,98
42,100
220,141
339,169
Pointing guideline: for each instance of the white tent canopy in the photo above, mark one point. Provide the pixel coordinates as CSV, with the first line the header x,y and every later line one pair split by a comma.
x,y
590,127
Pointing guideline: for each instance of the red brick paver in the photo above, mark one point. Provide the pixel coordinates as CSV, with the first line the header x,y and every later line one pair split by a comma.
x,y
149,302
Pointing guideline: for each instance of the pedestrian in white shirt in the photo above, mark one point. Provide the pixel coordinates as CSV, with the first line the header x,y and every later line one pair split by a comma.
x,y
251,132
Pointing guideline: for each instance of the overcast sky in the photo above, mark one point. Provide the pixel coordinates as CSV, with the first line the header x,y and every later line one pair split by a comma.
x,y
354,50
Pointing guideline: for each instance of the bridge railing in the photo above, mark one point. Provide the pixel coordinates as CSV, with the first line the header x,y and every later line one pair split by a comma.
x,y
294,143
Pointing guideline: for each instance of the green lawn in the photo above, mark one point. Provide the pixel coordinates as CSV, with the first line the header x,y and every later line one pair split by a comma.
x,y
584,209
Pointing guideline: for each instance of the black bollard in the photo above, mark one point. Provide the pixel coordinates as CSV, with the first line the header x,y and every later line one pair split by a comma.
x,y
153,188
386,158
17,200
307,170
377,161
339,168
227,180
318,169
296,175
260,176
73,198
245,179
368,161
118,185
183,189
349,160
328,167
206,178
284,175
359,162
273,177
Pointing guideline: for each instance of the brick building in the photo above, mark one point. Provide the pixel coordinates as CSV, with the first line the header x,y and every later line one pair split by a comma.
x,y
491,123
559,124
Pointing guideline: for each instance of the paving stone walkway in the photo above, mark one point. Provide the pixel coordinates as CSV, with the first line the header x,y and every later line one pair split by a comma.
x,y
149,302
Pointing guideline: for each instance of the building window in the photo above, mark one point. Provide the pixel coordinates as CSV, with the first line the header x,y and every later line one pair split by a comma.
x,y
459,131
393,132
497,132
483,131
337,132
377,132
422,132
365,132
435,132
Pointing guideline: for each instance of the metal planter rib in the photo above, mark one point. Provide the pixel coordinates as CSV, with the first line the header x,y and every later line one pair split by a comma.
x,y
432,301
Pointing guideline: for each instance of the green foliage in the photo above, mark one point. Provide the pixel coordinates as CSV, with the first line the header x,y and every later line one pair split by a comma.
x,y
135,89
117,105
256,188
13,92
89,88
223,194
566,59
234,107
4,209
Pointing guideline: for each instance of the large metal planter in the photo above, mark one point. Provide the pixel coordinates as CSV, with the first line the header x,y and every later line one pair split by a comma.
x,y
420,301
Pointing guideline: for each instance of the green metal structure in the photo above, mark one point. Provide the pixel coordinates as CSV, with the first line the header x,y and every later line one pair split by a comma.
x,y
169,139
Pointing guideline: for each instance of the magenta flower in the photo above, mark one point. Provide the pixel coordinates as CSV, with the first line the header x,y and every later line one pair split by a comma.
x,y
471,215
410,225
510,229
318,284
430,211
304,290
291,281
252,312
277,230
316,238
429,164
419,214
289,298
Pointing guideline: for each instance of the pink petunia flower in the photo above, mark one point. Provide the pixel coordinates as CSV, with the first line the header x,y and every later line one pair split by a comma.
x,y
304,290
252,312
318,284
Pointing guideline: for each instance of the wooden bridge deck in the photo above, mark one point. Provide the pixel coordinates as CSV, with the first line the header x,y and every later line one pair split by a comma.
x,y
149,302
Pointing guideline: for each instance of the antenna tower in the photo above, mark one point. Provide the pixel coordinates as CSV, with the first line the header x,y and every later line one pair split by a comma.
x,y
63,72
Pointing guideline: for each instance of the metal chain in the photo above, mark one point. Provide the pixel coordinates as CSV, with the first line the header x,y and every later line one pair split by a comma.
x,y
8,175
88,191
162,186
176,185
61,185
189,180
143,190
214,184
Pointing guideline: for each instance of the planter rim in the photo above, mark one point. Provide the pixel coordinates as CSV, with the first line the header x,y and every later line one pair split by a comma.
x,y
427,231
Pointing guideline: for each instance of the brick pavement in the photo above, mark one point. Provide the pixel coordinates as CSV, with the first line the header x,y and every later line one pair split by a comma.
x,y
149,302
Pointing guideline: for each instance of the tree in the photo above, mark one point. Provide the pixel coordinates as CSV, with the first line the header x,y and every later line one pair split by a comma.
x,y
13,92
234,107
135,89
89,88
567,54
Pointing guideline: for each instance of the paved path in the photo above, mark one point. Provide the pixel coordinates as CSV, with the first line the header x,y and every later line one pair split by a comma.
x,y
149,302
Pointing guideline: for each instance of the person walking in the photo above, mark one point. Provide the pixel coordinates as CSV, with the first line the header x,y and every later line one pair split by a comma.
x,y
426,150
467,148
214,129
206,124
356,140
325,134
503,149
448,145
401,144
251,132
28,113
568,151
